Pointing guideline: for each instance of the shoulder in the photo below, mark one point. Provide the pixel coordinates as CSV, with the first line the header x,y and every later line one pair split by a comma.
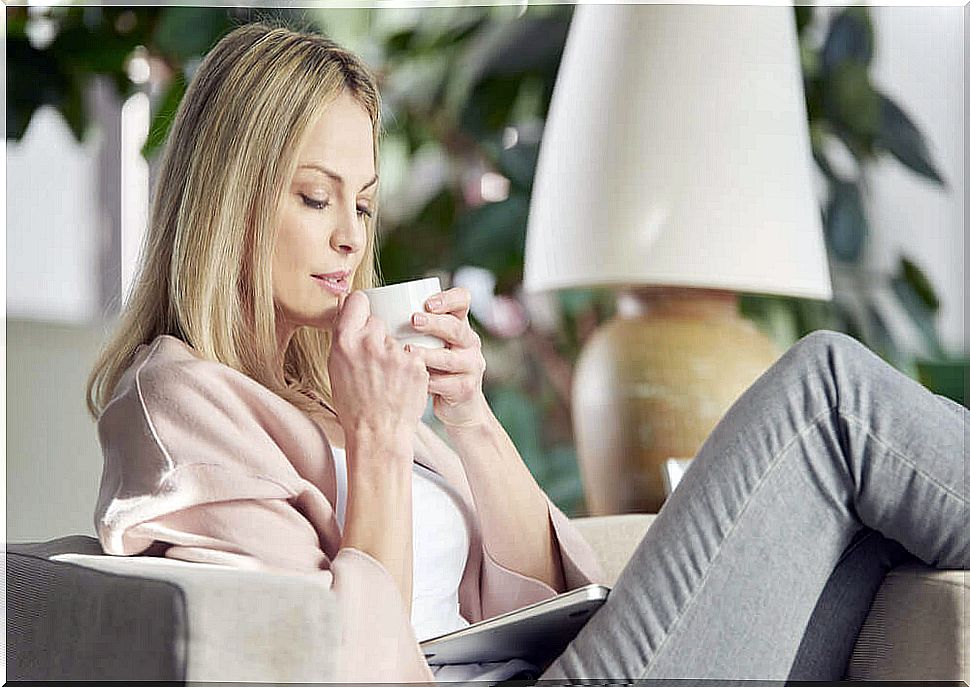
x,y
168,367
182,431
172,407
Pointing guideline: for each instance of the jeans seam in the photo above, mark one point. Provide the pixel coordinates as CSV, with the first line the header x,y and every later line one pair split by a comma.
x,y
776,460
903,458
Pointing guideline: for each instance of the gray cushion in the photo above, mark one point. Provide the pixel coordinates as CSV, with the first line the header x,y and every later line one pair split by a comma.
x,y
75,613
242,625
66,622
917,627
614,538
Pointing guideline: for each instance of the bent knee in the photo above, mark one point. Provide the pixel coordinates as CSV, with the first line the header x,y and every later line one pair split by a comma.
x,y
825,338
821,344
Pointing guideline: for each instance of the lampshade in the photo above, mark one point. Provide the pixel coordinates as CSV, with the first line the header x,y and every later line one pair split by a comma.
x,y
676,153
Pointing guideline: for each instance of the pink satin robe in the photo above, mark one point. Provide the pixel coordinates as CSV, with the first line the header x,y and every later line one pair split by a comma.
x,y
201,457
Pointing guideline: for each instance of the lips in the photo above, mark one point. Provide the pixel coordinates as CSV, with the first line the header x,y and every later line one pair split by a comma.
x,y
335,282
342,274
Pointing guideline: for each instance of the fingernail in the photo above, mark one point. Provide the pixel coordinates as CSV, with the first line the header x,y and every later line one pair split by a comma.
x,y
419,318
434,303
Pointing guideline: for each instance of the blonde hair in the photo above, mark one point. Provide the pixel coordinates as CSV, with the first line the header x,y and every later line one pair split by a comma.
x,y
205,275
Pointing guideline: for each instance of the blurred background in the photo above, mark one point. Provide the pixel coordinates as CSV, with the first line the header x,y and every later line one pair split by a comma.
x,y
467,92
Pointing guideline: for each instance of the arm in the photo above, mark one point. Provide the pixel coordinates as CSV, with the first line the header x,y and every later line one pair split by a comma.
x,y
520,526
379,508
517,530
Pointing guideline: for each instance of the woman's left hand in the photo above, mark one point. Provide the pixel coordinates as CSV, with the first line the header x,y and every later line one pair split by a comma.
x,y
457,370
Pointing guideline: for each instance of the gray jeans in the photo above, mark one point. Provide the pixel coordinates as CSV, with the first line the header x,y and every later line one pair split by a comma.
x,y
831,463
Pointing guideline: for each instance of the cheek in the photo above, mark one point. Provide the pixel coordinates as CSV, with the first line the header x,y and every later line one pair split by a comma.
x,y
294,244
291,255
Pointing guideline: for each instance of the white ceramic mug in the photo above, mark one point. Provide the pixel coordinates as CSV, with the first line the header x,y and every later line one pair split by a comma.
x,y
394,305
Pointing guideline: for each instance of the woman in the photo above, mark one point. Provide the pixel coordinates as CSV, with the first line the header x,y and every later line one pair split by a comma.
x,y
251,413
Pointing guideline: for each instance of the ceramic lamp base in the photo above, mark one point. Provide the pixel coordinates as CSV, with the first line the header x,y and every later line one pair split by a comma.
x,y
652,383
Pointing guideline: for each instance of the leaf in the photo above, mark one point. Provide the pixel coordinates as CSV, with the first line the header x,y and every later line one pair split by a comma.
x,y
813,314
398,43
919,313
898,134
162,120
803,17
72,108
493,235
498,56
846,228
821,159
489,105
527,45
880,339
809,59
400,260
16,22
814,106
33,79
917,279
851,101
850,39
518,163
773,315
849,320
99,50
948,377
464,25
183,33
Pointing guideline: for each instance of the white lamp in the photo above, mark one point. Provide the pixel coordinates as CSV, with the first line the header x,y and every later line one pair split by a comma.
x,y
675,166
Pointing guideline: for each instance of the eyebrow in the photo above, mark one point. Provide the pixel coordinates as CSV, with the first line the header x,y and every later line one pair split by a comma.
x,y
336,177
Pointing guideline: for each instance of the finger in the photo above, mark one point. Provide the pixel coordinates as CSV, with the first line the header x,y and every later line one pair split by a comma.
x,y
448,327
443,359
456,300
375,333
416,353
451,387
392,344
354,312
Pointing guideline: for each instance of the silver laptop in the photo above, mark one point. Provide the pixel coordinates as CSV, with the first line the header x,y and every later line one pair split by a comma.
x,y
537,633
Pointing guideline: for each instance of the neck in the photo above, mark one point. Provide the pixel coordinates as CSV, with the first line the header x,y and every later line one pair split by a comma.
x,y
284,335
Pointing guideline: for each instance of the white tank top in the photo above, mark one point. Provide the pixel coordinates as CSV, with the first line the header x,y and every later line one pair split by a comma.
x,y
440,545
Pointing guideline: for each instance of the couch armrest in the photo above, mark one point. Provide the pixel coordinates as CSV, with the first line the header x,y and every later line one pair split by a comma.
x,y
613,538
238,625
243,625
70,623
918,627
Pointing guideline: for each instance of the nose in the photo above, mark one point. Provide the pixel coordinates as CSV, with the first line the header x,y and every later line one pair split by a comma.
x,y
350,234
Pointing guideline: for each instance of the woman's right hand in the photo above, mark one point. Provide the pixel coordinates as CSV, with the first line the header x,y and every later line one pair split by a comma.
x,y
377,386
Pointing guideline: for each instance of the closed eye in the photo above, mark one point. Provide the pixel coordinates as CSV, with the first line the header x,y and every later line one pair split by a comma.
x,y
321,204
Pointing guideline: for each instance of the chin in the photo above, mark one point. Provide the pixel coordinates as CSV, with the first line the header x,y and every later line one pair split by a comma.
x,y
328,318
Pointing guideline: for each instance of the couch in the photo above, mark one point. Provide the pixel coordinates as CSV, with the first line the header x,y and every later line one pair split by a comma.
x,y
74,613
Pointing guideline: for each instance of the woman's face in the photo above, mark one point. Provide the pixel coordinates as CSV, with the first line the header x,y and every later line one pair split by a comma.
x,y
322,221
